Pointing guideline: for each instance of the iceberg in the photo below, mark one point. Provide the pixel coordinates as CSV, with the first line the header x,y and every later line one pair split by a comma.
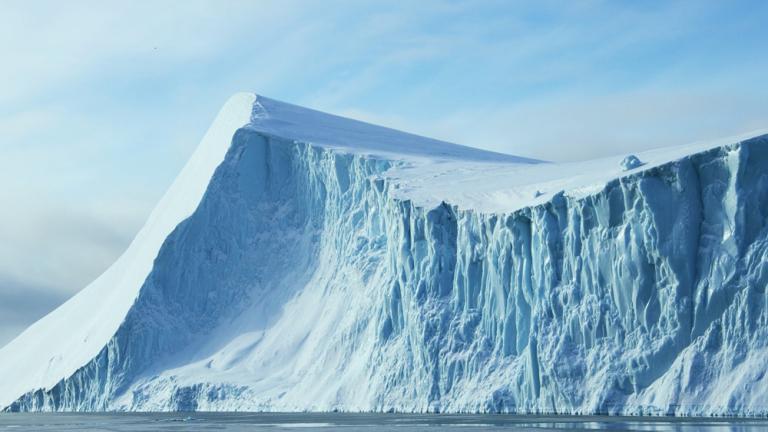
x,y
304,261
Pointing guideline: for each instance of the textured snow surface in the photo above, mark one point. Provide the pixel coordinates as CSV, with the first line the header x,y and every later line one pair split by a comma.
x,y
303,261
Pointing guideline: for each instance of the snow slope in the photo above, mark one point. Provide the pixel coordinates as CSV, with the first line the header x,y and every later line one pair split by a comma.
x,y
304,261
57,345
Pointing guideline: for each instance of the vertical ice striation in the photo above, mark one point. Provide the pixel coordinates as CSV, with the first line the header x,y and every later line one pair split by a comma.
x,y
307,279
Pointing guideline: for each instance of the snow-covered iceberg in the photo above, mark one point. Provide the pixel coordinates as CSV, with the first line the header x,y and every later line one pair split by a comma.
x,y
303,261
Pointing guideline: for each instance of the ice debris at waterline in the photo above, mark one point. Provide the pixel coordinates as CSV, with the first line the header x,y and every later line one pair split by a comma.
x,y
303,261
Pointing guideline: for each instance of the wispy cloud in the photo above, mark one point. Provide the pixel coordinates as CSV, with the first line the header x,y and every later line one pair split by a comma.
x,y
21,304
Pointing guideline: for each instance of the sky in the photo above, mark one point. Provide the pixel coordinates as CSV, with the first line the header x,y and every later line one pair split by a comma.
x,y
102,102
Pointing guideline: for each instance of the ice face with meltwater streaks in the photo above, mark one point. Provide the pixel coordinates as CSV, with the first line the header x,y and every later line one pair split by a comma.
x,y
328,264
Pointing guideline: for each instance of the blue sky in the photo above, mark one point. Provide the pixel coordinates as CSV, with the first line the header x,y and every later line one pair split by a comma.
x,y
102,102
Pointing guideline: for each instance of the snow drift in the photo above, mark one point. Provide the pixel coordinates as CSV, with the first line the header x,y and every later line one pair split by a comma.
x,y
303,261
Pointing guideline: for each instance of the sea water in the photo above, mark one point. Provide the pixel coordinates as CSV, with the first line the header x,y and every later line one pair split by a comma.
x,y
119,422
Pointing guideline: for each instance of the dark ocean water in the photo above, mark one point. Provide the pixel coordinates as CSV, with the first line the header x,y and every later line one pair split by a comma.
x,y
360,422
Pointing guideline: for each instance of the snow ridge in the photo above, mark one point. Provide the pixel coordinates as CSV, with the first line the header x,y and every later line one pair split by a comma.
x,y
321,271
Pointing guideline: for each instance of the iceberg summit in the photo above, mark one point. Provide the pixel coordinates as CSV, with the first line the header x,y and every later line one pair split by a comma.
x,y
304,261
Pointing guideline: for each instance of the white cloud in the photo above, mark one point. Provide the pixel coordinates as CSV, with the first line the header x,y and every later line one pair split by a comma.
x,y
49,44
63,246
20,305
573,126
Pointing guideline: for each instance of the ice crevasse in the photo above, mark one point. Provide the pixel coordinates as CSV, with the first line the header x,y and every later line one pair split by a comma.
x,y
303,261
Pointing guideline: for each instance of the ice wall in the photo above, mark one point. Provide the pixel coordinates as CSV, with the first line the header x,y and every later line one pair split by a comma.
x,y
300,283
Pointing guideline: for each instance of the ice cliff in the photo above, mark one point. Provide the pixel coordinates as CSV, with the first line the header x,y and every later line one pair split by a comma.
x,y
303,261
